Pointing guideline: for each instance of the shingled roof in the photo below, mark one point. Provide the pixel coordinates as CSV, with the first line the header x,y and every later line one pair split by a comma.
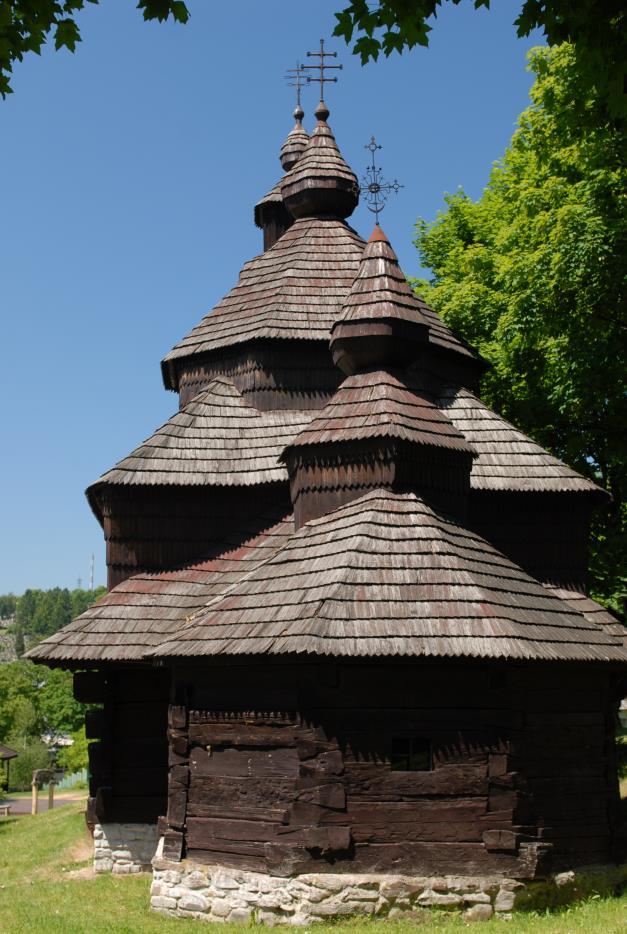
x,y
216,439
293,290
386,575
380,404
506,458
592,611
380,289
139,613
321,181
295,143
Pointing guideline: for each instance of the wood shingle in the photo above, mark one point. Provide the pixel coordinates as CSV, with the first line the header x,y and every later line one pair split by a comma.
x,y
380,404
387,575
216,439
506,458
139,613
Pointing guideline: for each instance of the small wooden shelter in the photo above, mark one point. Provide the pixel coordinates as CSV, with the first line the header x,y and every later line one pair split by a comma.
x,y
347,629
6,754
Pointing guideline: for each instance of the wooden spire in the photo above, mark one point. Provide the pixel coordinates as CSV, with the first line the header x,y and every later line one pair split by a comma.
x,y
382,323
321,182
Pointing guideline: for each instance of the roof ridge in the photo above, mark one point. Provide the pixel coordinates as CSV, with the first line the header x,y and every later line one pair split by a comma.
x,y
480,617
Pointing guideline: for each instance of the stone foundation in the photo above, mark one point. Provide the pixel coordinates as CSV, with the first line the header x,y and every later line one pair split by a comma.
x,y
124,848
213,893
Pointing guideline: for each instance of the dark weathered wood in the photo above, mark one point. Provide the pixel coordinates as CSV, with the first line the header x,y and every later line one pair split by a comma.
x,y
90,687
308,575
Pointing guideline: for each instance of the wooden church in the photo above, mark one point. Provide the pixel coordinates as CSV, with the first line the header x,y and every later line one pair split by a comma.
x,y
347,637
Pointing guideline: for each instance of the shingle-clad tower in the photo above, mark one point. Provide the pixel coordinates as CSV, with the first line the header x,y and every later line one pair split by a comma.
x,y
347,635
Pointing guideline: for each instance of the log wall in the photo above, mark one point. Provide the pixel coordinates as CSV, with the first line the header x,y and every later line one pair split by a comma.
x,y
291,772
128,752
288,374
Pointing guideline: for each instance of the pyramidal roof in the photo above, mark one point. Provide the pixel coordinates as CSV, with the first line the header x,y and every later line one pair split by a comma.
x,y
216,439
292,291
380,404
387,575
380,289
138,614
506,459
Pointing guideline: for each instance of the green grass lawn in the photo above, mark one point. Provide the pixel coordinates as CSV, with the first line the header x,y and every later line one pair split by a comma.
x,y
46,887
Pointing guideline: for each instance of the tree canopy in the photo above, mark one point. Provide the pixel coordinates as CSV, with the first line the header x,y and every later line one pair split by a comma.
x,y
595,27
25,26
36,701
532,274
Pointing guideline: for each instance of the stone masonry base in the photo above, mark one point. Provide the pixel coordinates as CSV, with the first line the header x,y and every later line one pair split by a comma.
x,y
124,848
213,893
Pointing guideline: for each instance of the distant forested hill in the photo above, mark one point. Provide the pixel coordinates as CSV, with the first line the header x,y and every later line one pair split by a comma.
x,y
27,619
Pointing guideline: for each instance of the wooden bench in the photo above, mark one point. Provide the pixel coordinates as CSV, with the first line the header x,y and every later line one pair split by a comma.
x,y
5,810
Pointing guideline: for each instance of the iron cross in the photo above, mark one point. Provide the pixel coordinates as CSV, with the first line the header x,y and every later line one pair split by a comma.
x,y
321,67
374,189
295,78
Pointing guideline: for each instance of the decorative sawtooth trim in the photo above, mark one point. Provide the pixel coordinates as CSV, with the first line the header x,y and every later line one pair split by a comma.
x,y
269,374
388,576
216,439
376,405
506,458
140,612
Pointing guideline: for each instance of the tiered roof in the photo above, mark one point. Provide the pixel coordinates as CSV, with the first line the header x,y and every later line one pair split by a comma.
x,y
321,182
138,614
506,458
217,439
386,575
290,153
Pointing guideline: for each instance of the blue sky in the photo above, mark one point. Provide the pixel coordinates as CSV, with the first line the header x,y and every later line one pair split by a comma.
x,y
129,174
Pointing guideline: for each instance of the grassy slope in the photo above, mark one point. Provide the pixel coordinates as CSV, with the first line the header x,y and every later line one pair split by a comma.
x,y
44,891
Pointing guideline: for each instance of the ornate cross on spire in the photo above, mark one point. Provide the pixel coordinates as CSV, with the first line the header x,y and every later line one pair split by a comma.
x,y
321,67
374,189
295,78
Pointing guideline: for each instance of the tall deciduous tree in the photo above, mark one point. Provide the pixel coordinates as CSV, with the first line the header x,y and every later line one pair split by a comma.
x,y
596,28
25,26
532,273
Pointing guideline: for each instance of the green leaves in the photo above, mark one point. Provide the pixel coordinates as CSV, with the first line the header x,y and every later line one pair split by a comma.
x,y
596,28
66,35
25,25
532,274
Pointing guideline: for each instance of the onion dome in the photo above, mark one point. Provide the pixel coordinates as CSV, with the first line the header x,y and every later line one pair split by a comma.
x,y
381,429
382,322
296,142
270,212
321,182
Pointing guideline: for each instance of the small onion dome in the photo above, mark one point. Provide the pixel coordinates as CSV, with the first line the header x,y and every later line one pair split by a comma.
x,y
321,182
296,142
382,324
